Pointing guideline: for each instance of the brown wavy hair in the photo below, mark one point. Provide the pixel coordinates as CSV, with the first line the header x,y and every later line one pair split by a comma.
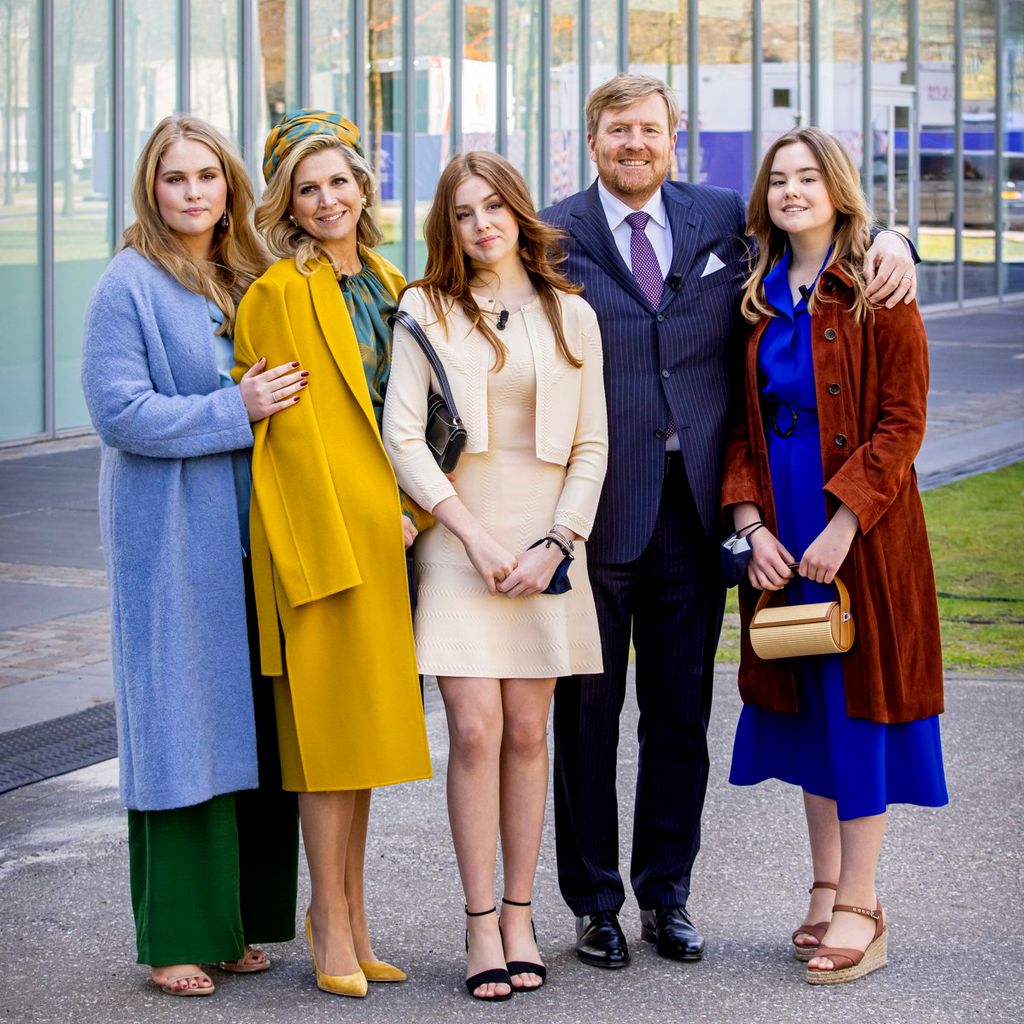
x,y
284,237
448,271
851,236
237,256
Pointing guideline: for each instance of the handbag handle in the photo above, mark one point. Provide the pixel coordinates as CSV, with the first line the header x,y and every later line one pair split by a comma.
x,y
408,321
844,594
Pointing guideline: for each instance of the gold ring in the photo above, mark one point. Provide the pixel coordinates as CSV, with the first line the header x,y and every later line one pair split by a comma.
x,y
908,279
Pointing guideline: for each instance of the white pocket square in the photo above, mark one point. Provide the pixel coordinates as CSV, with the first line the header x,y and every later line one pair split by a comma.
x,y
713,265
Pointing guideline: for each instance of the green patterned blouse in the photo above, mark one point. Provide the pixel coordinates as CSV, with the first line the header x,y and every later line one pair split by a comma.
x,y
369,305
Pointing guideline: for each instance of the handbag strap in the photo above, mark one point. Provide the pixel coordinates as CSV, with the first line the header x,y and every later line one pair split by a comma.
x,y
844,594
408,321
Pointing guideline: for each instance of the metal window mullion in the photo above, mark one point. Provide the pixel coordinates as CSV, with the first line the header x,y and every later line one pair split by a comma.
x,y
359,70
623,20
866,82
544,93
409,138
500,70
692,91
47,176
458,55
958,148
249,87
117,119
304,56
583,63
756,97
1000,142
814,113
184,56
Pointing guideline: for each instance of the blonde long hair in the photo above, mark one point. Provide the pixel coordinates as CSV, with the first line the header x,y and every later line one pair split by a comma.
x,y
448,271
851,236
284,237
237,256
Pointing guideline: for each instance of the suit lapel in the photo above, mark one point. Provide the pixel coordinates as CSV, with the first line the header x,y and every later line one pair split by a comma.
x,y
336,327
685,223
591,231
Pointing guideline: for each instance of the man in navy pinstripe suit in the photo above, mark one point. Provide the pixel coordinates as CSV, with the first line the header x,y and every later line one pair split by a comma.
x,y
662,263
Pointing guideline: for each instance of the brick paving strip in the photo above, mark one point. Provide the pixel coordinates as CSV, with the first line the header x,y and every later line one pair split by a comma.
x,y
62,645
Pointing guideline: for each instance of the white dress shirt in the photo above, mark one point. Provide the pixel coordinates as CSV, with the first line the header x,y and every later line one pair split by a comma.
x,y
658,231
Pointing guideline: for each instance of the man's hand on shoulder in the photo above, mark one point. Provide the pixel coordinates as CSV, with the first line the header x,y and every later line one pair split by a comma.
x,y
889,270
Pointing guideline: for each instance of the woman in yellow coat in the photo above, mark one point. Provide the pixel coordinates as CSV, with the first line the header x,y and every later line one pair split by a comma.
x,y
328,530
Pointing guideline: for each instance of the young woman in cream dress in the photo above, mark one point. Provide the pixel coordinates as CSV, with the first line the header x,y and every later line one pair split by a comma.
x,y
522,352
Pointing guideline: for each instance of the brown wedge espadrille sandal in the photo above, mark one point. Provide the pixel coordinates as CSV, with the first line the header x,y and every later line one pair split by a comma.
x,y
850,964
804,952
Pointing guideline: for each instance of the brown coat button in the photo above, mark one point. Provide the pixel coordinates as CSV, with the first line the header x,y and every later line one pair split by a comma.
x,y
840,440
834,389
830,334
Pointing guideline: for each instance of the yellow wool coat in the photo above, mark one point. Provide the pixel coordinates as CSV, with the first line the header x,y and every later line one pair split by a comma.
x,y
328,555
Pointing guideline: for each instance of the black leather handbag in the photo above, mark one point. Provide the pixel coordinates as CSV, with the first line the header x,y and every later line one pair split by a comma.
x,y
444,433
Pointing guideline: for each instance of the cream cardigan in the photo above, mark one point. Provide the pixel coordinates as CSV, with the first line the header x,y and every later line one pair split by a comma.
x,y
571,421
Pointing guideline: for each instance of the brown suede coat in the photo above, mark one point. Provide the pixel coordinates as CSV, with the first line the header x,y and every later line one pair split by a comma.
x,y
871,381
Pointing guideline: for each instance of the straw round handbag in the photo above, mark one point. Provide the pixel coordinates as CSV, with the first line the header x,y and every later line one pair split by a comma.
x,y
798,630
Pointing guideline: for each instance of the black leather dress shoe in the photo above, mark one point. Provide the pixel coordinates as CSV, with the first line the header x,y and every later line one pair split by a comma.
x,y
673,931
599,940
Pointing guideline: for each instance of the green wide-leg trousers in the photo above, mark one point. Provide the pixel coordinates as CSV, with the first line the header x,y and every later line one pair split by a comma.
x,y
206,880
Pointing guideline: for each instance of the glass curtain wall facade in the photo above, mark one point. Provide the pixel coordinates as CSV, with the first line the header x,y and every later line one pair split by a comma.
x,y
928,95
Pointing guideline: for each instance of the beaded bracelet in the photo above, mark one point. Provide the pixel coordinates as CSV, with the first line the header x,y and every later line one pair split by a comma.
x,y
555,532
559,542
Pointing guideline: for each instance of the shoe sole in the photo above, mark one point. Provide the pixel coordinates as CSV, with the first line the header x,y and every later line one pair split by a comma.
x,y
606,965
876,956
649,935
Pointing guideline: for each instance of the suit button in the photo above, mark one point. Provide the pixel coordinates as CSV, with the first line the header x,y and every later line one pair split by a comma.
x,y
840,440
661,318
659,434
830,334
834,389
666,373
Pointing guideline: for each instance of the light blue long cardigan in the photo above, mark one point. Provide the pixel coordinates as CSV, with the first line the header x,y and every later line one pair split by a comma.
x,y
171,539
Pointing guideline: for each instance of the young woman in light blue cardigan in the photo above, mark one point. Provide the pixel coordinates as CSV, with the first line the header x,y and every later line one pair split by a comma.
x,y
213,842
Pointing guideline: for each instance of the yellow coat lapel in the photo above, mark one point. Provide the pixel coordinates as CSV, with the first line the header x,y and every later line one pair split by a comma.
x,y
336,327
336,324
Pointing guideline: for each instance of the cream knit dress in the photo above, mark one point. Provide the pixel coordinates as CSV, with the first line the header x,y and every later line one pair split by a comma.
x,y
461,628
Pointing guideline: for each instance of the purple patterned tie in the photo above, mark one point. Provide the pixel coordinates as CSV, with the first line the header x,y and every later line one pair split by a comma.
x,y
647,272
645,264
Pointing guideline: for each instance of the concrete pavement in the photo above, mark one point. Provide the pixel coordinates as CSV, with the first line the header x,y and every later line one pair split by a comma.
x,y
949,879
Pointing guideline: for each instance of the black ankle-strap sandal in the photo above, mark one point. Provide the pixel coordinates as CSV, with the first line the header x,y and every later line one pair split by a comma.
x,y
524,966
495,975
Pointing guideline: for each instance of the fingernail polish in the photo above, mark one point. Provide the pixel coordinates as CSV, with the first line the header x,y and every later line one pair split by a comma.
x,y
303,383
295,364
305,373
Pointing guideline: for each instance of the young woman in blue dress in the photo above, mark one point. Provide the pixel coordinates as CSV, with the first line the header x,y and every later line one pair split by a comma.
x,y
819,475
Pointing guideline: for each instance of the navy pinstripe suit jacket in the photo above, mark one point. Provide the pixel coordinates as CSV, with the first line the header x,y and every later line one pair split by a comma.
x,y
679,355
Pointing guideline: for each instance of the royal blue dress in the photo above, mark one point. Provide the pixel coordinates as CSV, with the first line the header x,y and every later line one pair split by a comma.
x,y
863,765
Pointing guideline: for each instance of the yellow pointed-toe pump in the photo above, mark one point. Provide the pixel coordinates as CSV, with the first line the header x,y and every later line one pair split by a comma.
x,y
337,984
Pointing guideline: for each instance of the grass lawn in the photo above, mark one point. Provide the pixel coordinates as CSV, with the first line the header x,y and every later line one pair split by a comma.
x,y
976,528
